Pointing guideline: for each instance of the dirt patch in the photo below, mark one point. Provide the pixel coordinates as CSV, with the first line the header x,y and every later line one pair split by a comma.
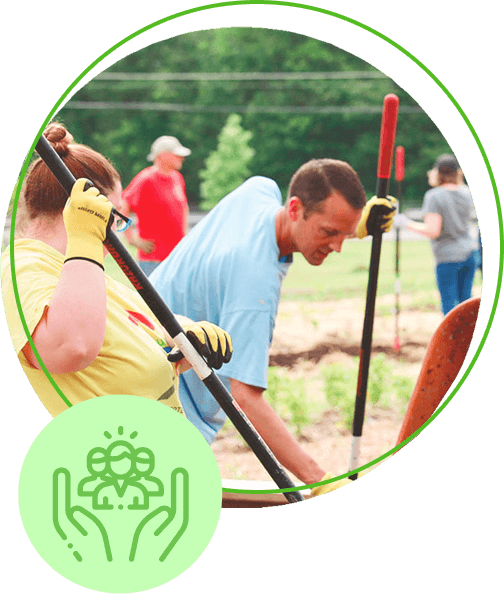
x,y
310,335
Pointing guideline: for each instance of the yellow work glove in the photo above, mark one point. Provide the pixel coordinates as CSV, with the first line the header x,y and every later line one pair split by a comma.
x,y
322,489
86,217
211,342
378,212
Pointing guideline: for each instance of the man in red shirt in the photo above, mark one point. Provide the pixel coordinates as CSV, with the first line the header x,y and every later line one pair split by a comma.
x,y
157,197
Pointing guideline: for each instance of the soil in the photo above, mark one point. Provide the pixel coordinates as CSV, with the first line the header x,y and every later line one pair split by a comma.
x,y
310,335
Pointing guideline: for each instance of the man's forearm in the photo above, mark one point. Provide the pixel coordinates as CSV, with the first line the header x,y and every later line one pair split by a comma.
x,y
275,433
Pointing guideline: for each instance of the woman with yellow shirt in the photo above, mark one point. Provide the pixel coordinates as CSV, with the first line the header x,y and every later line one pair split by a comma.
x,y
93,335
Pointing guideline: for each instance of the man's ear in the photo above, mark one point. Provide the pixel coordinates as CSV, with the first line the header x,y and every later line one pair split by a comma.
x,y
294,208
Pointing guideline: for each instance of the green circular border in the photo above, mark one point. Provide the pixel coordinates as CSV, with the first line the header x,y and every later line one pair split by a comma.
x,y
384,38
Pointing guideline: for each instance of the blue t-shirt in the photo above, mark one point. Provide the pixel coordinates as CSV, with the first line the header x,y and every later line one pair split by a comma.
x,y
227,271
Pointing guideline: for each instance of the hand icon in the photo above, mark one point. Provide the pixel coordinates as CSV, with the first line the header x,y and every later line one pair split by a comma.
x,y
166,523
112,517
69,521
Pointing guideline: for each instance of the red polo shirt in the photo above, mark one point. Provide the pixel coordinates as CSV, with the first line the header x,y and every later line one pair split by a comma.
x,y
160,204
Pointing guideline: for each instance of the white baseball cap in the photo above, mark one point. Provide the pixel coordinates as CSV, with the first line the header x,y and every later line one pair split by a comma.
x,y
168,144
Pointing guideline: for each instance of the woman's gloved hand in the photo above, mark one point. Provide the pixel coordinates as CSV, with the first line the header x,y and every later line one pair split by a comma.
x,y
211,342
86,216
377,212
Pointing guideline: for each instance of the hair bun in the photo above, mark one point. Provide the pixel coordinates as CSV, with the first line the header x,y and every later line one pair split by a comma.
x,y
59,137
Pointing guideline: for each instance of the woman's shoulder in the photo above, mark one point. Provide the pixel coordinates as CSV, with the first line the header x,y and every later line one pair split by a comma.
x,y
32,252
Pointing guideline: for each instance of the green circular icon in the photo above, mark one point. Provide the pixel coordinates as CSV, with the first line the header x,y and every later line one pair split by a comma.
x,y
120,494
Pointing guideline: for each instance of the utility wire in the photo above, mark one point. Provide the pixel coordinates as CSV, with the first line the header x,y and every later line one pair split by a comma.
x,y
152,106
234,76
231,76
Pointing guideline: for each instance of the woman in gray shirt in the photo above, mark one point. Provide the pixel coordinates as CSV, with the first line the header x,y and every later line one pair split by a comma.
x,y
448,209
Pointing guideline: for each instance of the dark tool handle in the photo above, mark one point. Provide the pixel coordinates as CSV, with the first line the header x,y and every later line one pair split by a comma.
x,y
159,308
387,140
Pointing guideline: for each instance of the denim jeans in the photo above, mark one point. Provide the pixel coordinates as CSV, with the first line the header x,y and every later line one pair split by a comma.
x,y
454,281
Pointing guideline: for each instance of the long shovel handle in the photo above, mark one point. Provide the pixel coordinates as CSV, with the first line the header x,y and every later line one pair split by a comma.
x,y
387,140
159,308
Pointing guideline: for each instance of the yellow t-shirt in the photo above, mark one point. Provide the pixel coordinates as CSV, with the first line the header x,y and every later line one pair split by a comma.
x,y
132,359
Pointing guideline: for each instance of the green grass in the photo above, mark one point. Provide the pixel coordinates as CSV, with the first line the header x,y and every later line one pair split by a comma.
x,y
345,275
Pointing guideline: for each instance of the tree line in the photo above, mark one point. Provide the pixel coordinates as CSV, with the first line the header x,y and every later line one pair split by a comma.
x,y
291,119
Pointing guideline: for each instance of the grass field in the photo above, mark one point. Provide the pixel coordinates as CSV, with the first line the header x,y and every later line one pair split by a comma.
x,y
345,275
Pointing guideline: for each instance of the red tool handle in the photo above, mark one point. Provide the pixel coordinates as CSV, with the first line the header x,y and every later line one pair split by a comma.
x,y
386,150
399,163
387,137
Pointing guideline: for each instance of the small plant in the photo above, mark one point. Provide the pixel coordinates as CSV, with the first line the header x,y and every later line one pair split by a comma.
x,y
379,381
336,379
297,404
273,387
340,385
403,388
339,388
288,398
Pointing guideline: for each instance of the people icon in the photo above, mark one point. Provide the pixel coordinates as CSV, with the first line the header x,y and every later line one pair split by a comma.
x,y
120,477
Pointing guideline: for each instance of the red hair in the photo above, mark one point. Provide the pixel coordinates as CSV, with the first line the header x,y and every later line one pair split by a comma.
x,y
43,194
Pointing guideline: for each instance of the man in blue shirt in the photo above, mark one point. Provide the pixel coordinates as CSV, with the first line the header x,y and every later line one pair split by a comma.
x,y
229,270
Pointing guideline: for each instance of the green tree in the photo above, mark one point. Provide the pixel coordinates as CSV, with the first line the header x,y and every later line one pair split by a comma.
x,y
291,120
227,166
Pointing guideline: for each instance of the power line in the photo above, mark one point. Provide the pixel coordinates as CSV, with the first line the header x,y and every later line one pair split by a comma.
x,y
232,76
152,106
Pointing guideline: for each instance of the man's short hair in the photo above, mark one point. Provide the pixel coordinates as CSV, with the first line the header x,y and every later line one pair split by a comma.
x,y
314,181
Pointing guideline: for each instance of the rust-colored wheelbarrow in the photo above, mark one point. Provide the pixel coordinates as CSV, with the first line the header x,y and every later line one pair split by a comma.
x,y
444,358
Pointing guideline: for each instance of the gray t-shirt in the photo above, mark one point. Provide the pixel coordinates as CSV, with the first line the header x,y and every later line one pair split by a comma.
x,y
455,243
